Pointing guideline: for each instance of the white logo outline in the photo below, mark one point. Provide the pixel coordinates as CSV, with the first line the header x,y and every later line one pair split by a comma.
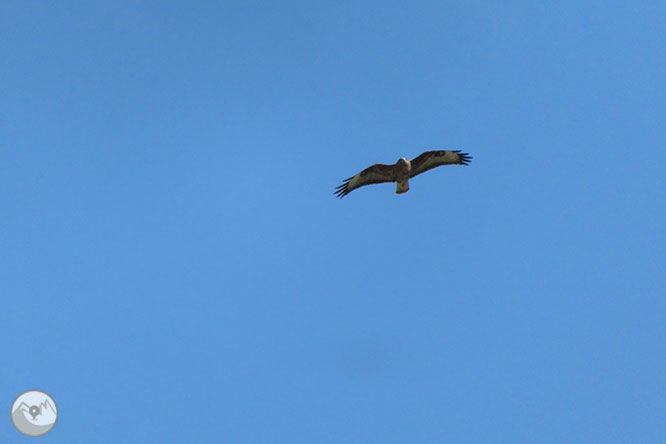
x,y
34,412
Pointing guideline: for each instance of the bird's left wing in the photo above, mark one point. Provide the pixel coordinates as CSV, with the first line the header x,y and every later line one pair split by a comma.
x,y
433,159
377,173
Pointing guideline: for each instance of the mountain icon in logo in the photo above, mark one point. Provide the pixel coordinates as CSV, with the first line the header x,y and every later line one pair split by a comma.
x,y
34,413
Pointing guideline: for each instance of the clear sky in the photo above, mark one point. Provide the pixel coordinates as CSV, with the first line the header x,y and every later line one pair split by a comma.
x,y
174,266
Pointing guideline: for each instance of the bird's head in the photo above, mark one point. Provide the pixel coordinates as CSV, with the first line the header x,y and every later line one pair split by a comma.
x,y
402,161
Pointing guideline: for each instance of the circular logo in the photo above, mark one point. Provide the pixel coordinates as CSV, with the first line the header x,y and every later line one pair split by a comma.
x,y
34,413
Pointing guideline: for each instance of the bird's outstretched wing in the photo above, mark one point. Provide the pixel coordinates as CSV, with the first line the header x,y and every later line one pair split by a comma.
x,y
433,159
377,173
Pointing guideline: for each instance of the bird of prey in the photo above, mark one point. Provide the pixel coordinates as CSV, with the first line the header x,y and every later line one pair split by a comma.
x,y
402,171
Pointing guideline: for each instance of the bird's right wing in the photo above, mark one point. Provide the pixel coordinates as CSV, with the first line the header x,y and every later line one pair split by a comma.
x,y
377,173
433,159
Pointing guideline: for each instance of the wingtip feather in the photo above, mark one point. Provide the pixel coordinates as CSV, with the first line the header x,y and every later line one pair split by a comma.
x,y
465,158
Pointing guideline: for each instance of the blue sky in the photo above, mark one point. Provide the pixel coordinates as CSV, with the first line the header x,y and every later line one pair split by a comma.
x,y
175,267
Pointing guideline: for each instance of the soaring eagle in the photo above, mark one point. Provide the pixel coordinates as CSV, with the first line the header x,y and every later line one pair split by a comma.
x,y
402,171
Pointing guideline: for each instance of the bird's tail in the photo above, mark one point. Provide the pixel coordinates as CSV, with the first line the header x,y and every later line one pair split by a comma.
x,y
402,187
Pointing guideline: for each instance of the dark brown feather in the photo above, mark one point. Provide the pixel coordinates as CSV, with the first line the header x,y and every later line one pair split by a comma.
x,y
378,173
433,159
